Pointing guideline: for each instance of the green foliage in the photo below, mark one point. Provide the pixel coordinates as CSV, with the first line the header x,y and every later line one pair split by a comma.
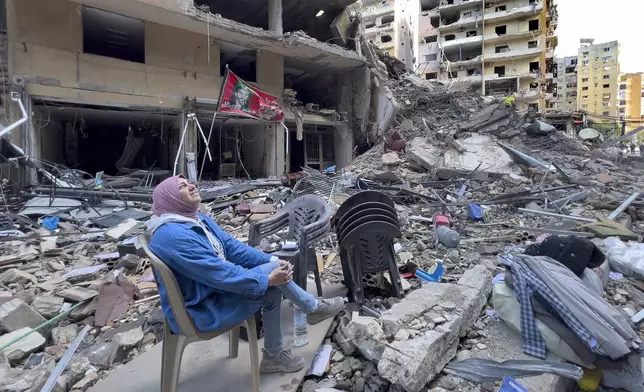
x,y
608,130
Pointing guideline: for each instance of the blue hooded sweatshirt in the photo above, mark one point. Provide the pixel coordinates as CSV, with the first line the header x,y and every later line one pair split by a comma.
x,y
218,293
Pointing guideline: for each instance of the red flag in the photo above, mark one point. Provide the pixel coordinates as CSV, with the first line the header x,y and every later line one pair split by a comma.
x,y
239,97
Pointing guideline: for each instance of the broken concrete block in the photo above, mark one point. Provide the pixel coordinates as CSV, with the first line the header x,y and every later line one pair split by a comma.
x,y
367,335
413,363
123,229
63,335
16,314
5,296
390,159
86,382
23,347
101,354
77,294
539,128
127,342
478,278
15,275
77,369
47,305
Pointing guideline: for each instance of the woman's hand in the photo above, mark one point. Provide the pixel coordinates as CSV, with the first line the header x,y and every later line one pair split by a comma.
x,y
282,275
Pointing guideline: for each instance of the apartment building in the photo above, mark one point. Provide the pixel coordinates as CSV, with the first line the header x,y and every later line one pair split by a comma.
x,y
92,74
597,78
502,46
630,103
566,81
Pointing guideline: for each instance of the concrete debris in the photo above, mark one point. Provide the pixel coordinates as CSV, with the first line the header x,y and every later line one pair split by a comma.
x,y
390,159
23,347
15,315
48,306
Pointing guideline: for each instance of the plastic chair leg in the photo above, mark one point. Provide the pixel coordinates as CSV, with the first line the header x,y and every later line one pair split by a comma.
x,y
173,346
233,341
254,352
394,274
318,281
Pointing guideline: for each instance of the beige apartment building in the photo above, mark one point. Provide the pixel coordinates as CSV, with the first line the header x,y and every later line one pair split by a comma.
x,y
502,46
597,78
630,103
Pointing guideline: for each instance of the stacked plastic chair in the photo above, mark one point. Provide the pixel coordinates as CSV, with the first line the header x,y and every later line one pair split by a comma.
x,y
308,218
366,225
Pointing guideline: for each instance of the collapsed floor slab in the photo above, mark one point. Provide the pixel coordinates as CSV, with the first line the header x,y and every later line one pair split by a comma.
x,y
436,315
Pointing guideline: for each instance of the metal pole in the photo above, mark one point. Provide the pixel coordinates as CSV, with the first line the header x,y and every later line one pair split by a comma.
x,y
623,206
553,215
203,162
183,136
64,361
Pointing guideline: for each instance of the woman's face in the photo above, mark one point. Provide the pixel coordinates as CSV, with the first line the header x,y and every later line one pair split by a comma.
x,y
189,193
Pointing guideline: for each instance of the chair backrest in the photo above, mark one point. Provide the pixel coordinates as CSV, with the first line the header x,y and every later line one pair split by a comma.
x,y
163,274
304,211
372,243
360,198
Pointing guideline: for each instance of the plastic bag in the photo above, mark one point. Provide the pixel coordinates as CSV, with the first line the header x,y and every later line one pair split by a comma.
x,y
625,258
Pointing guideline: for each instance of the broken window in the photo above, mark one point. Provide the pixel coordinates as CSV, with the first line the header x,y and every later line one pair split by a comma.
x,y
501,30
433,38
113,35
585,62
471,33
530,2
606,76
534,66
584,80
386,38
387,19
584,89
500,8
431,75
450,37
606,114
453,74
606,86
500,71
606,49
467,14
532,44
502,49
622,110
534,106
450,2
472,72
606,59
585,53
533,25
431,57
369,25
623,103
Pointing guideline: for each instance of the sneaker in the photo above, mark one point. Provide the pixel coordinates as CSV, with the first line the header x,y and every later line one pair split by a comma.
x,y
327,308
284,362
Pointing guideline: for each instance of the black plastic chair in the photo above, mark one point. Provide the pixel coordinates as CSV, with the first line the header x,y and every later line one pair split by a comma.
x,y
352,214
369,248
308,218
361,198
374,217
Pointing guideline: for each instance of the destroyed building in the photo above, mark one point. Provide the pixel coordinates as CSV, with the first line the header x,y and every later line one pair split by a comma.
x,y
108,85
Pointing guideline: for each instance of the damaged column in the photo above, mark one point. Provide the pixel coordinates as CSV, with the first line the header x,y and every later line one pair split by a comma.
x,y
270,77
275,16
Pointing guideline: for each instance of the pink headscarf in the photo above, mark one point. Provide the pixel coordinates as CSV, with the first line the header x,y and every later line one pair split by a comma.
x,y
166,199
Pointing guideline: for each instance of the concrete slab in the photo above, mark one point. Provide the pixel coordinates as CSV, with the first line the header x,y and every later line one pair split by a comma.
x,y
206,366
479,150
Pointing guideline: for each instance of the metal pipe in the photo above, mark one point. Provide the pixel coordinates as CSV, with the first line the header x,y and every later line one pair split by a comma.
x,y
624,206
87,193
16,98
553,215
553,231
64,361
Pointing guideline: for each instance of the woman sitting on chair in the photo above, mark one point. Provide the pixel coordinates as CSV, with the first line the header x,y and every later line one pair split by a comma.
x,y
224,281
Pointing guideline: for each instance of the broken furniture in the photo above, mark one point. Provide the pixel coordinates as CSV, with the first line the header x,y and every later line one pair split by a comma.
x,y
308,218
366,225
174,344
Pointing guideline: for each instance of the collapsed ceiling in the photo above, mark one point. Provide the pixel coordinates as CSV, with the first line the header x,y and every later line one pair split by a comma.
x,y
296,15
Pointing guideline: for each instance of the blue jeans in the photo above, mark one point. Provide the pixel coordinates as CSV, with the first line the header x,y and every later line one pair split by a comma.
x,y
271,308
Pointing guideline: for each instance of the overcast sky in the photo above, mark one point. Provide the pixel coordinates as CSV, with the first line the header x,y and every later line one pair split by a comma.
x,y
604,20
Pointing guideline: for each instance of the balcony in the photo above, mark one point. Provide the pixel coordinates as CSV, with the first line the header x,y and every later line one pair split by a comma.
x,y
459,6
461,63
379,28
463,22
378,9
513,54
493,38
466,41
514,13
527,95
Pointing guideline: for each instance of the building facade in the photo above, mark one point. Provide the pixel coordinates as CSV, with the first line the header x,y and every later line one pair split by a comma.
x,y
99,76
566,81
503,47
630,103
597,78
